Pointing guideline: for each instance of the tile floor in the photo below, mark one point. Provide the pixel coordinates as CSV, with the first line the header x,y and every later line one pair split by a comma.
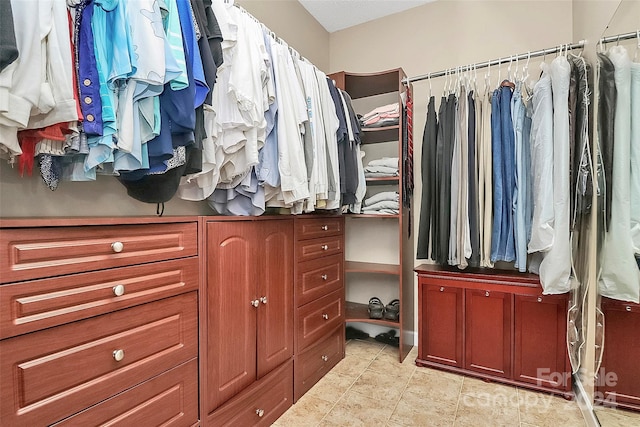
x,y
610,417
370,388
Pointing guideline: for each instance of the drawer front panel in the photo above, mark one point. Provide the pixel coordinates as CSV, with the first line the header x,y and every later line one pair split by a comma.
x,y
33,253
319,248
170,399
261,404
317,360
311,228
39,304
318,318
59,371
317,278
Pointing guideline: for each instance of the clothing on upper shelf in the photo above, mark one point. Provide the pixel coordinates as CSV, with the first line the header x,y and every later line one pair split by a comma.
x,y
386,115
384,167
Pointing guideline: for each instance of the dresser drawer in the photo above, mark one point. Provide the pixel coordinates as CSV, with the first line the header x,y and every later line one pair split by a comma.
x,y
170,399
32,253
39,304
319,248
318,318
261,404
51,374
311,228
317,360
318,277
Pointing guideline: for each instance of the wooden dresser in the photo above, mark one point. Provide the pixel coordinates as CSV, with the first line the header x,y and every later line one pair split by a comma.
x,y
319,299
495,325
99,321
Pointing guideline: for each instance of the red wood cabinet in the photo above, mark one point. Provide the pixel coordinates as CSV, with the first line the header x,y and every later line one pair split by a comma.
x,y
495,325
488,332
619,375
249,286
440,336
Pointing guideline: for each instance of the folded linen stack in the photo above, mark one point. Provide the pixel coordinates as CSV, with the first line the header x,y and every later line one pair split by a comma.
x,y
387,115
385,203
384,167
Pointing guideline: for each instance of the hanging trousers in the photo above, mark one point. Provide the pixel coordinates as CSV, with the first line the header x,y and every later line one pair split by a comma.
x,y
635,156
474,260
428,173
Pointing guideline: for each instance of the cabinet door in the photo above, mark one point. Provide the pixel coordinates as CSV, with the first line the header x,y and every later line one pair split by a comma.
x,y
488,332
620,371
441,328
540,349
275,291
231,318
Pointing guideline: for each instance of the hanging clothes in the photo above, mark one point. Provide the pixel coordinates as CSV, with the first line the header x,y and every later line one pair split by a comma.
x,y
503,147
620,276
428,174
555,268
485,176
473,204
635,157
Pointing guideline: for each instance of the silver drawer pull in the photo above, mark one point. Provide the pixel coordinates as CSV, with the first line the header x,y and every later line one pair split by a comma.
x,y
441,288
263,300
260,412
325,247
486,294
325,358
118,355
117,247
325,316
539,299
255,302
324,277
118,290
325,227
628,308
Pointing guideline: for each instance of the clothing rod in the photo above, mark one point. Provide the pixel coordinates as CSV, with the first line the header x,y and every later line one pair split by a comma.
x,y
627,36
503,60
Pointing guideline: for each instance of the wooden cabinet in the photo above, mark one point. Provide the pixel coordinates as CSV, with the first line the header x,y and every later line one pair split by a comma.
x,y
249,305
488,332
392,263
319,299
495,325
619,375
116,311
440,313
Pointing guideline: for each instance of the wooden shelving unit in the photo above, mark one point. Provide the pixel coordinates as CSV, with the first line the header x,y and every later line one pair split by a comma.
x,y
398,275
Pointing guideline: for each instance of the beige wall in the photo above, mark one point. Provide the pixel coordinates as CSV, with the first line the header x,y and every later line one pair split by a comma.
x,y
291,22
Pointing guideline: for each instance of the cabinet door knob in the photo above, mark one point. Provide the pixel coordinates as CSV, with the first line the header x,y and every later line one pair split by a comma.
x,y
539,299
325,316
117,247
325,227
324,358
118,355
263,300
324,277
441,288
118,290
486,294
628,308
260,412
255,303
325,247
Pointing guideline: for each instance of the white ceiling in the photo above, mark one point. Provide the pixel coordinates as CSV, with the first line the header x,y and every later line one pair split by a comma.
x,y
336,15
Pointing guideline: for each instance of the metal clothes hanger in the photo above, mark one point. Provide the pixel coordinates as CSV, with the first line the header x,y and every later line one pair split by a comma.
x,y
635,56
430,88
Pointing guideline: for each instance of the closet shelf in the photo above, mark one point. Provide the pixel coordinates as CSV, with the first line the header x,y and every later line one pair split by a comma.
x,y
378,216
383,180
381,134
357,312
371,267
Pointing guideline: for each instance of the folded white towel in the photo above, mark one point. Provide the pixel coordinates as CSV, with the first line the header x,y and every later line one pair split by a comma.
x,y
390,162
385,195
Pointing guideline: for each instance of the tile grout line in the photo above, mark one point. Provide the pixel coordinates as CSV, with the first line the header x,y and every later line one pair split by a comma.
x,y
455,417
401,394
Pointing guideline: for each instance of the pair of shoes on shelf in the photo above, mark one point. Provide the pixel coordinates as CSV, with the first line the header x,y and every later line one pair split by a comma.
x,y
389,338
352,333
377,310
